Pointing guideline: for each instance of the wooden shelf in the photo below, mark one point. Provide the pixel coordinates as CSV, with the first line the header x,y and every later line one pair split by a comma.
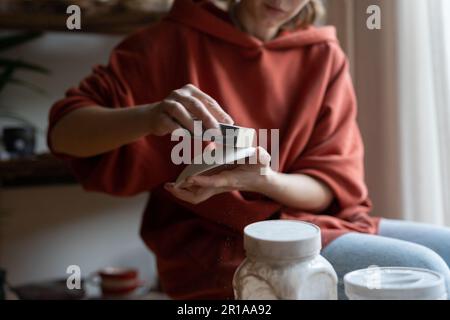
x,y
42,169
114,23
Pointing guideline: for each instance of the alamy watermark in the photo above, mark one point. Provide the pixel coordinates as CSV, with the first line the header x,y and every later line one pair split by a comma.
x,y
73,22
373,277
374,20
73,281
225,146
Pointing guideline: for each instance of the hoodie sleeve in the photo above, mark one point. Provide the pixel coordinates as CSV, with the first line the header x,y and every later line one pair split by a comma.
x,y
137,167
335,152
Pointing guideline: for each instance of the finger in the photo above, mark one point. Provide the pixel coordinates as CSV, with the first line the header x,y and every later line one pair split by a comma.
x,y
263,156
183,194
215,181
177,192
169,185
212,105
198,109
179,113
206,193
184,185
260,157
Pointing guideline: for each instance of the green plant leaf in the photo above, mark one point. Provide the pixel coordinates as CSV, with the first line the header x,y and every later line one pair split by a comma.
x,y
18,117
28,85
11,41
23,65
9,66
6,75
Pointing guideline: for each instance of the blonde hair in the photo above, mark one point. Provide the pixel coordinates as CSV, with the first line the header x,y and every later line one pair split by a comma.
x,y
309,15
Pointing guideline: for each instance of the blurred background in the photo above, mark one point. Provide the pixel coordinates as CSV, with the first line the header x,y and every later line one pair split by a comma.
x,y
401,74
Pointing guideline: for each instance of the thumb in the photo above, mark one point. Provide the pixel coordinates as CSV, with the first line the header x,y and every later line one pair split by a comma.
x,y
263,156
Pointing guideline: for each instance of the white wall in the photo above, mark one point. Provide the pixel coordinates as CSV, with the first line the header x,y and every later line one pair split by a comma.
x,y
69,57
47,228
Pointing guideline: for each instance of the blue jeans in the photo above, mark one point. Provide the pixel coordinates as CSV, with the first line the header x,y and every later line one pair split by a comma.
x,y
399,244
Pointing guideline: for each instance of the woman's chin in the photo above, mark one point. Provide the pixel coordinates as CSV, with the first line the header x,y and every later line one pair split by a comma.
x,y
272,23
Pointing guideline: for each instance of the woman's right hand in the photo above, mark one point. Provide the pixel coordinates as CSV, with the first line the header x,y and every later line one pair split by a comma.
x,y
184,106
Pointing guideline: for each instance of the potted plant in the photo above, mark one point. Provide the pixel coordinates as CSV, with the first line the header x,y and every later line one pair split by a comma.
x,y
18,141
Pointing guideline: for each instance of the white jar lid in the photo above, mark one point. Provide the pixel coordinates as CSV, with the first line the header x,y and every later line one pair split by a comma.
x,y
282,240
395,283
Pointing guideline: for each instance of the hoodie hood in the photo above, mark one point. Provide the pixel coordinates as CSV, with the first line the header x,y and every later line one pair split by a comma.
x,y
203,16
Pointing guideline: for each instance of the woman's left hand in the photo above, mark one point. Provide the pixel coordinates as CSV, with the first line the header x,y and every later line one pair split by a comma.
x,y
245,177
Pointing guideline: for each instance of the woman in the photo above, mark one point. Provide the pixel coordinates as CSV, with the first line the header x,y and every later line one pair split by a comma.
x,y
262,65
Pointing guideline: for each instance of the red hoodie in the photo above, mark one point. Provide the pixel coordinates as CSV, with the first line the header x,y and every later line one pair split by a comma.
x,y
298,83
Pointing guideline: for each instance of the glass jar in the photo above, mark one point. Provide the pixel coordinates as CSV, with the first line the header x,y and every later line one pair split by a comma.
x,y
284,263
